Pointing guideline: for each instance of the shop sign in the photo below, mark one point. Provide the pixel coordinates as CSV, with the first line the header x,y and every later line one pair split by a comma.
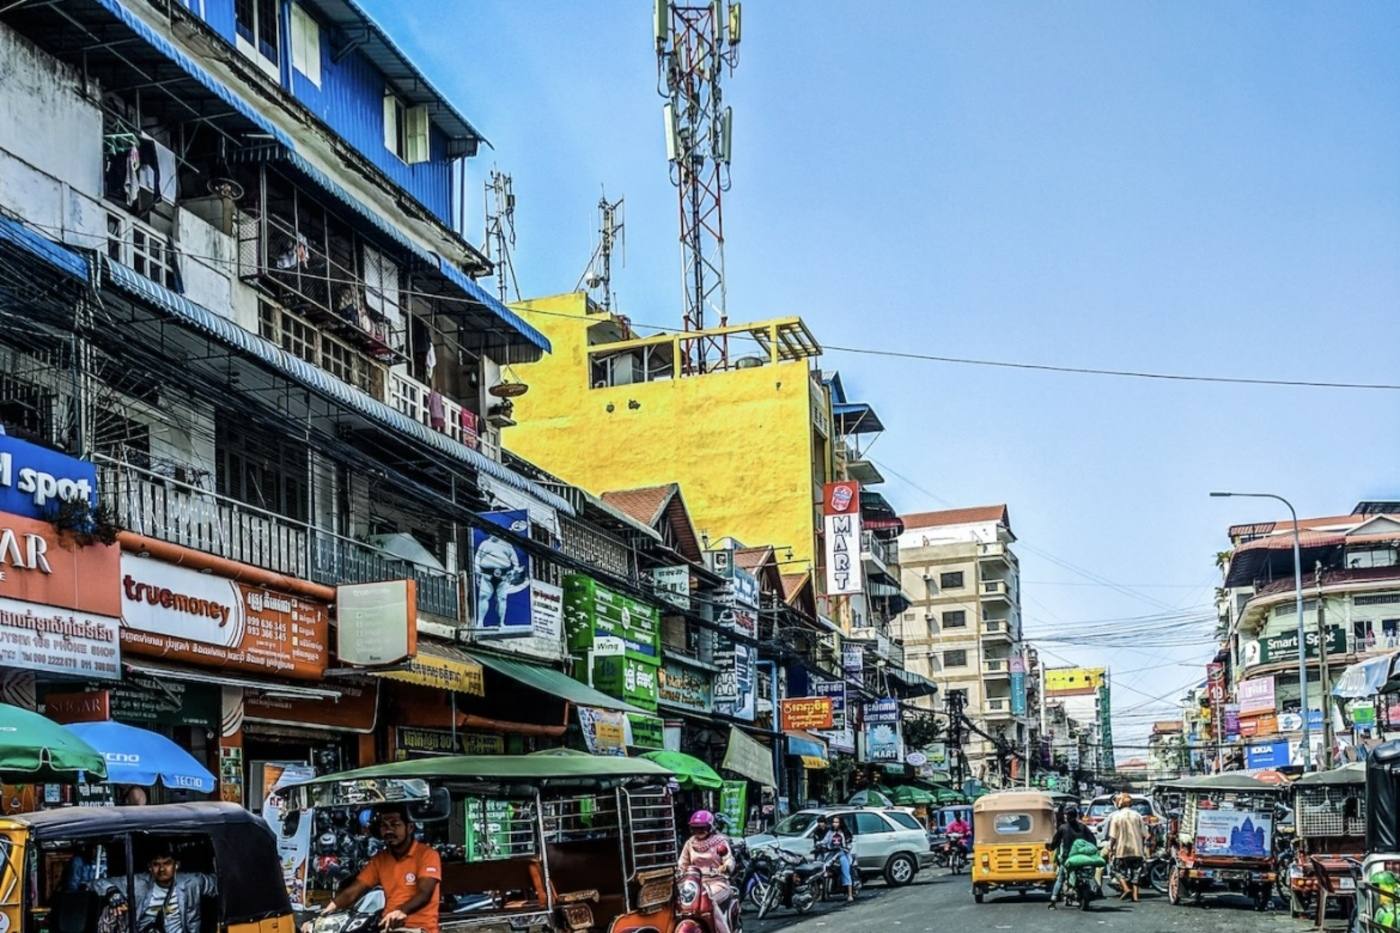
x,y
599,620
1256,695
673,585
34,480
646,731
835,690
841,512
83,706
685,687
1232,720
604,730
208,620
736,685
884,710
501,577
802,713
625,679
1363,715
937,754
435,669
1215,680
853,659
841,740
59,641
410,741
139,701
376,623
734,804
883,742
355,711
1285,647
747,756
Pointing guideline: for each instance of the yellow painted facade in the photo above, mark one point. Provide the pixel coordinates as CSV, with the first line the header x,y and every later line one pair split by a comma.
x,y
749,446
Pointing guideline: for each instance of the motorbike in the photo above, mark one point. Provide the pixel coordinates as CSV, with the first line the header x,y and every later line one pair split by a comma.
x,y
797,883
955,853
1080,888
694,908
362,917
832,883
753,872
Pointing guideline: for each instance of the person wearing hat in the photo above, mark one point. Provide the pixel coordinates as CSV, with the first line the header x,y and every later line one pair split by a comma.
x,y
1127,845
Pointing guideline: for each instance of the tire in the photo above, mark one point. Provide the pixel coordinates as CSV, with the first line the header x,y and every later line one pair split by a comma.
x,y
900,869
1085,894
1158,875
806,896
757,893
770,900
1263,898
1174,886
978,894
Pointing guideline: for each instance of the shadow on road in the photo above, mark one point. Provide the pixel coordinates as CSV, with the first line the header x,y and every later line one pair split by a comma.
x,y
782,918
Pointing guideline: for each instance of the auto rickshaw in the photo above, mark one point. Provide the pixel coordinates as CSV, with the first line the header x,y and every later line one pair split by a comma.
x,y
1225,838
1329,818
63,867
1011,830
1378,898
542,843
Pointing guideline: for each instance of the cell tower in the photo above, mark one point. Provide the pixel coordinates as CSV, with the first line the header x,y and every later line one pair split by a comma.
x,y
500,231
597,278
695,44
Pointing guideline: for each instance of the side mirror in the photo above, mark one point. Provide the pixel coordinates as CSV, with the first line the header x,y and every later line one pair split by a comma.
x,y
436,808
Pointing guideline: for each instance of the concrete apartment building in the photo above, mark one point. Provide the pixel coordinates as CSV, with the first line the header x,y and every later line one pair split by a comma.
x,y
962,628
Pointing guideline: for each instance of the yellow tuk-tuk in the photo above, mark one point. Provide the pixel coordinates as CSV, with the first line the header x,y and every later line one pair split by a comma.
x,y
1011,830
79,868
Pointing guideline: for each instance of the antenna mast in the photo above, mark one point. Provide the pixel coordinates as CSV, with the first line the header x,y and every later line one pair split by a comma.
x,y
500,231
695,44
597,277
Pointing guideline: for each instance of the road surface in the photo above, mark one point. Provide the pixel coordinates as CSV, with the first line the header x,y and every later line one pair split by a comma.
x,y
940,903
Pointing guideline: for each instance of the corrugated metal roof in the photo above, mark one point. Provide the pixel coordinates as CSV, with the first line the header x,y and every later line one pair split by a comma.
x,y
212,84
317,380
12,231
376,45
857,418
484,298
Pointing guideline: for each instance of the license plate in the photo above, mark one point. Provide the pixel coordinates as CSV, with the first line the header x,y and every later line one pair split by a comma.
x,y
1346,884
1235,875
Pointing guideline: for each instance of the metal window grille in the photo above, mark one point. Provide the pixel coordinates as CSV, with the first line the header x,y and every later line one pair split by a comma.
x,y
650,831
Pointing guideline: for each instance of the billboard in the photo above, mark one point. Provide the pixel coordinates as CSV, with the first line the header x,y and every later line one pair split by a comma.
x,y
1234,833
35,481
501,577
1256,695
1071,681
841,511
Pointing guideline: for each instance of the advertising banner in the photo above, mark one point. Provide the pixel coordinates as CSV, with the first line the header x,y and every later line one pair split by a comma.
x,y
841,517
501,577
803,713
1234,833
736,685
646,732
835,690
1285,647
853,659
604,731
749,757
608,623
293,849
1018,693
1069,681
625,679
738,600
1256,695
34,480
376,623
883,742
1232,721
673,585
734,804
686,687
204,619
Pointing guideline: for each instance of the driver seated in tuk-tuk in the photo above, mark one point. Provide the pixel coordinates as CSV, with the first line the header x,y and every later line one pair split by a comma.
x,y
409,871
167,900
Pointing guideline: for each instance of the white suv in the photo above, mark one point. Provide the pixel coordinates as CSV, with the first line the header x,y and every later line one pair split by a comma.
x,y
887,840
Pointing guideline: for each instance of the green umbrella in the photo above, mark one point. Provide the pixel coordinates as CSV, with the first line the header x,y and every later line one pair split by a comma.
x,y
690,771
37,750
907,795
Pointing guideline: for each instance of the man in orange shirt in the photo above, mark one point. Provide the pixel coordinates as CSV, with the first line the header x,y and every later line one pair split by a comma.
x,y
409,871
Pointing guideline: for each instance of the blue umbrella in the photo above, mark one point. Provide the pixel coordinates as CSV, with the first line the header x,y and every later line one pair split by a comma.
x,y
139,756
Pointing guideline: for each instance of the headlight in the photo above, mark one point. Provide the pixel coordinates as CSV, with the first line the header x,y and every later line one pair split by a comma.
x,y
689,891
331,923
357,922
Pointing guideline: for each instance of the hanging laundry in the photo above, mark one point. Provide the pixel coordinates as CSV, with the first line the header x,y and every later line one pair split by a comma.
x,y
470,433
437,413
296,255
133,168
430,362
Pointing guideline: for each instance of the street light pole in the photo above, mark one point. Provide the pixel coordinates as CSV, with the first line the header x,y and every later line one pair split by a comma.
x,y
1298,609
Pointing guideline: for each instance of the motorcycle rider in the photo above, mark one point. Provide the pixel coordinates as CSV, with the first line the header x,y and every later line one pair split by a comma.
x,y
1070,830
709,852
836,839
409,871
1127,845
962,830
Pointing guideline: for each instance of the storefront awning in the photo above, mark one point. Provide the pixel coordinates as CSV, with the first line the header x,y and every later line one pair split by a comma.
x,y
749,757
908,685
812,763
441,666
161,672
801,745
556,683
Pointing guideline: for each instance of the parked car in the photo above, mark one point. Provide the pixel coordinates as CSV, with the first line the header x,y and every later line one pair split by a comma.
x,y
885,840
1101,808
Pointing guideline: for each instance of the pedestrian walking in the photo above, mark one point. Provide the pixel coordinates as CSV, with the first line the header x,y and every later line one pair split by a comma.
x,y
1127,845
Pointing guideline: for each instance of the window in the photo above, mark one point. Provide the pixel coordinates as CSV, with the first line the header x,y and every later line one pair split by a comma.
x,y
864,824
1371,557
1012,823
258,34
406,130
306,45
288,331
381,276
904,819
956,618
955,659
796,825
951,581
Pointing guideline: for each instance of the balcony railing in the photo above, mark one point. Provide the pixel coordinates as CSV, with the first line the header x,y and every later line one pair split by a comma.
x,y
410,396
169,510
1000,628
995,589
996,666
274,255
997,705
883,550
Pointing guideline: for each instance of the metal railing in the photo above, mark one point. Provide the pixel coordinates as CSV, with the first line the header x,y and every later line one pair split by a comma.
x,y
995,666
995,588
167,509
885,551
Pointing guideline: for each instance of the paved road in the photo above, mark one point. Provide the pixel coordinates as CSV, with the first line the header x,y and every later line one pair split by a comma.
x,y
939,903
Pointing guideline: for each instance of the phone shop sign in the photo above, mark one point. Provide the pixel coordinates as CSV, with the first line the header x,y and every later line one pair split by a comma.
x,y
34,480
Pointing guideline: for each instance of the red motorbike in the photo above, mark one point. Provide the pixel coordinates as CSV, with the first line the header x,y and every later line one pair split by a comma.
x,y
695,909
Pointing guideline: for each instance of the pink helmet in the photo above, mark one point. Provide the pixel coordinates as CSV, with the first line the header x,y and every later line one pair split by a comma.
x,y
702,819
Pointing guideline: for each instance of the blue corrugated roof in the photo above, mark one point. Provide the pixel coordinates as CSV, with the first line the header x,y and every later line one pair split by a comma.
x,y
484,298
65,260
317,380
158,42
857,418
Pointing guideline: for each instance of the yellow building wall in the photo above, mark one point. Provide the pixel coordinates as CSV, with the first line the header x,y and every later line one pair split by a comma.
x,y
739,442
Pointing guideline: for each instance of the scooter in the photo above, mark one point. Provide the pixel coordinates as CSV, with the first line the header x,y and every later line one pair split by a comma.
x,y
1080,888
753,872
797,883
695,909
832,883
955,853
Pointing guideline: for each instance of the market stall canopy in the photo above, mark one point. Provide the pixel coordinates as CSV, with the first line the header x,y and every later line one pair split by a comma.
x,y
36,750
1369,677
908,795
139,756
691,773
1353,773
550,681
1229,781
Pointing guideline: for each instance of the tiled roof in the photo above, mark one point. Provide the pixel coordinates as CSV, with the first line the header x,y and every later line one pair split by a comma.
x,y
1304,524
644,504
1166,726
751,558
792,582
981,513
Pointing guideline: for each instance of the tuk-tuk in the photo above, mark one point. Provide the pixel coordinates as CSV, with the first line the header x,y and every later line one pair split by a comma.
x,y
1225,838
1011,830
76,868
542,843
1378,900
1329,819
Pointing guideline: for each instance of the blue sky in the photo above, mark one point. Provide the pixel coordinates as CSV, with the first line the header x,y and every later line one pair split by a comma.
x,y
1185,187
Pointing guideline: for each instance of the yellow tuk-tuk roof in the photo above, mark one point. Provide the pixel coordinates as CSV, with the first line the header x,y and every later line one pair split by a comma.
x,y
1013,800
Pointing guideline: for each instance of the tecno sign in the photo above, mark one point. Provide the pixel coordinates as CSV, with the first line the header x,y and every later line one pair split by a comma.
x,y
34,479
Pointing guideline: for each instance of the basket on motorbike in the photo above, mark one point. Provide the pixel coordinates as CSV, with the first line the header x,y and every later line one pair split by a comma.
x,y
1329,814
1225,838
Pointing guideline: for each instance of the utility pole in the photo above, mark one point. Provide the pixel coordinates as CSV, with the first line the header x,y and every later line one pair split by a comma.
x,y
1323,673
955,716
